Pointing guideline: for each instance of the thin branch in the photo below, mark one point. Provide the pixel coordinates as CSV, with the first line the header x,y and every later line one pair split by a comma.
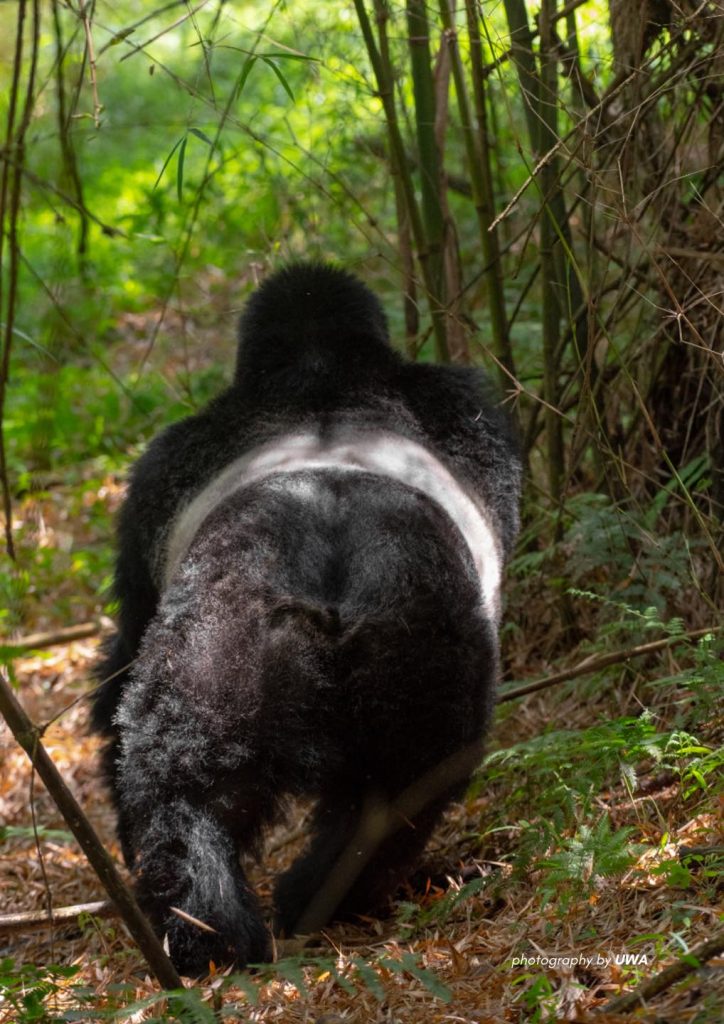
x,y
590,665
506,55
669,976
164,31
28,736
85,17
53,638
128,30
78,206
30,919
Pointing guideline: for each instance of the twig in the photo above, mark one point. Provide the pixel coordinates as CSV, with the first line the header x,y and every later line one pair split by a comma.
x,y
53,638
164,31
190,919
124,33
29,919
28,736
65,138
506,55
10,194
611,93
590,665
86,19
669,976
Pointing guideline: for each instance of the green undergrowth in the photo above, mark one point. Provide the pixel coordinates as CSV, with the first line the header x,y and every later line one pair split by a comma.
x,y
51,995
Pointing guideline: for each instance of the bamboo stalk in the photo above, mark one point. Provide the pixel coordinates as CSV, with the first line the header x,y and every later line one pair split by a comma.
x,y
481,175
385,89
423,87
548,131
404,238
456,325
542,141
521,49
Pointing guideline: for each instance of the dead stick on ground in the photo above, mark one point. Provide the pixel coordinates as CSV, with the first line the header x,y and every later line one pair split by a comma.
x,y
26,920
39,641
590,665
669,976
28,736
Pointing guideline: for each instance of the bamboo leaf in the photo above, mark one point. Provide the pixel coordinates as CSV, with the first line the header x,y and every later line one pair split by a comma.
x,y
248,65
180,168
202,135
278,72
168,159
279,55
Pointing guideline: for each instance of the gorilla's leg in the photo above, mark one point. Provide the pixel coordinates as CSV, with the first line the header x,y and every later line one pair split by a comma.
x,y
215,728
360,852
193,791
334,827
184,840
190,883
409,713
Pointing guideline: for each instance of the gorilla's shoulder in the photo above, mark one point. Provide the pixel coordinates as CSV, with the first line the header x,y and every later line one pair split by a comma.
x,y
450,398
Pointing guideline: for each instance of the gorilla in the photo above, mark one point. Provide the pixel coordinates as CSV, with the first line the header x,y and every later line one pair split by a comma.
x,y
308,582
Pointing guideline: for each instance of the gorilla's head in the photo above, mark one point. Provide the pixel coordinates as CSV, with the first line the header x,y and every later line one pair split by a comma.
x,y
310,321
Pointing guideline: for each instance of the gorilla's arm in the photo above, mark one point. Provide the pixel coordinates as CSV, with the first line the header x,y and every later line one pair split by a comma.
x,y
175,465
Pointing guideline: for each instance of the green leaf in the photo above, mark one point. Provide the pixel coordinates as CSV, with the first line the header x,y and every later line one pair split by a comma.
x,y
168,159
278,72
280,55
202,135
180,168
248,65
408,965
248,986
369,978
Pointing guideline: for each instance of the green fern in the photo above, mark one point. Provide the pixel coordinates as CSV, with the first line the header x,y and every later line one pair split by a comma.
x,y
592,854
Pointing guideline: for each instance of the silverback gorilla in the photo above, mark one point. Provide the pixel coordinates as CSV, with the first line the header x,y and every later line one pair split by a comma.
x,y
308,579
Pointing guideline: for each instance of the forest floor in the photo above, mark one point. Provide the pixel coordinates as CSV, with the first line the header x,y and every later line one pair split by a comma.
x,y
485,931
469,947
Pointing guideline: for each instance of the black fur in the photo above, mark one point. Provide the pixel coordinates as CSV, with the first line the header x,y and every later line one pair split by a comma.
x,y
323,633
